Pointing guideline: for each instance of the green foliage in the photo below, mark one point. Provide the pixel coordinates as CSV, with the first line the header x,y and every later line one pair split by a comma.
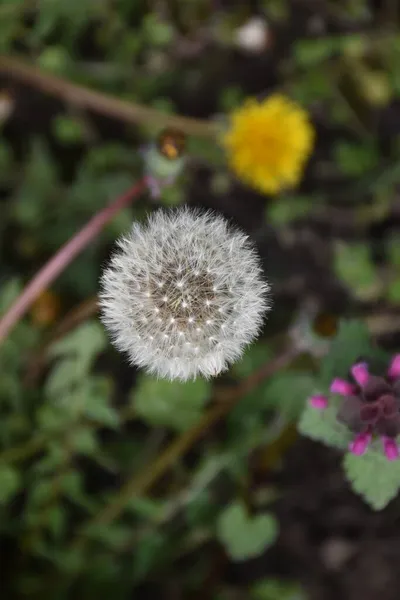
x,y
323,426
274,589
355,159
290,208
245,537
170,403
68,130
10,482
353,265
350,344
372,476
77,424
286,392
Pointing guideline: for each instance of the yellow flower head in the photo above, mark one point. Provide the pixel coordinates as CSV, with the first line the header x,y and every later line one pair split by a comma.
x,y
268,143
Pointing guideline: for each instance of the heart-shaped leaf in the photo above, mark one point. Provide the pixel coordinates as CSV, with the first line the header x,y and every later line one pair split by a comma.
x,y
243,536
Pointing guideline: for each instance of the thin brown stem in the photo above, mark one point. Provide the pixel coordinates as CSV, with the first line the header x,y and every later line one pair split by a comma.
x,y
99,102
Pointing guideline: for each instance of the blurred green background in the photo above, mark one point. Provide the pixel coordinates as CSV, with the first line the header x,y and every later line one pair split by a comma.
x,y
106,486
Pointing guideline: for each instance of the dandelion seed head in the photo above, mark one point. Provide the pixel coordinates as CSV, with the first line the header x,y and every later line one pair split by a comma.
x,y
200,326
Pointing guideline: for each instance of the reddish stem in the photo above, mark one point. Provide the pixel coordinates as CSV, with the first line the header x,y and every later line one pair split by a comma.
x,y
64,257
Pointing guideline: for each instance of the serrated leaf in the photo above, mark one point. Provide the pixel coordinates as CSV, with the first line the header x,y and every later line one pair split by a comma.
x,y
170,403
245,537
323,426
372,476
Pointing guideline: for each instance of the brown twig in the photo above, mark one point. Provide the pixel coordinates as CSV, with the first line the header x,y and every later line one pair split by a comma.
x,y
102,103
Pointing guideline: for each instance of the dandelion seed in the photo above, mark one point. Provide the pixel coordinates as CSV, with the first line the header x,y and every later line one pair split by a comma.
x,y
180,238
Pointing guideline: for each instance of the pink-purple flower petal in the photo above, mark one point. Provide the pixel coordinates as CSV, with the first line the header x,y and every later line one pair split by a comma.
x,y
318,401
390,448
342,387
394,369
360,373
359,445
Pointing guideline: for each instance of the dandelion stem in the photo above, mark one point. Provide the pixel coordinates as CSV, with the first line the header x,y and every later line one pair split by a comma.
x,y
99,102
64,257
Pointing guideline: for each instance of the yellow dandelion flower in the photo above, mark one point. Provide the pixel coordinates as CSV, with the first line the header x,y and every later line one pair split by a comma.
x,y
269,142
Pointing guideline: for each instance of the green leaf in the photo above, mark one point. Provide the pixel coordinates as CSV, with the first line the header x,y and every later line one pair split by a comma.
x,y
10,482
200,511
68,130
38,183
157,33
114,536
245,537
290,208
393,292
254,357
393,250
314,51
350,344
170,403
9,293
85,342
63,376
323,426
41,492
355,159
287,392
83,441
354,267
56,516
147,553
372,476
273,589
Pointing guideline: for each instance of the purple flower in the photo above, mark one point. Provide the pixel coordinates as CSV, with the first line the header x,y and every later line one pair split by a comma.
x,y
370,407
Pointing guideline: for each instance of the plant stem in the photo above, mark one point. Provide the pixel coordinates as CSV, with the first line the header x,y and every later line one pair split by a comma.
x,y
102,103
63,257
